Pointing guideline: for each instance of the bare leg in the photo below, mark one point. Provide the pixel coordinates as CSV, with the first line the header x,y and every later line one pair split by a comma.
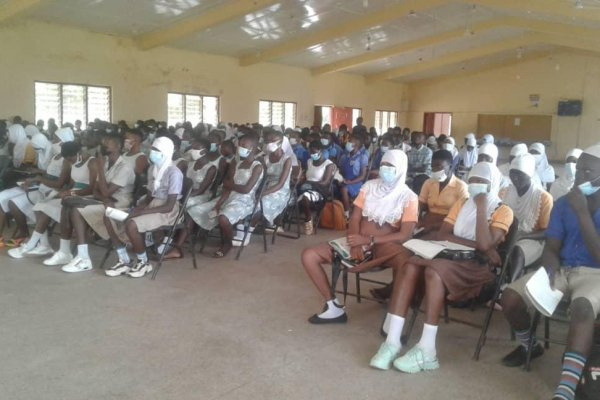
x,y
20,219
114,238
345,198
42,222
581,328
226,234
515,310
517,263
312,259
79,225
182,235
306,209
136,238
435,293
2,222
406,280
66,229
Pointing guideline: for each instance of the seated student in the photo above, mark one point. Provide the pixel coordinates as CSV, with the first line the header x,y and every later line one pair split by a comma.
x,y
133,154
316,183
334,151
78,172
432,143
489,153
237,200
385,145
531,205
353,167
299,149
19,201
114,188
449,144
384,216
468,156
516,151
178,160
440,192
565,181
214,155
419,161
545,171
18,143
159,208
276,194
487,138
572,259
480,222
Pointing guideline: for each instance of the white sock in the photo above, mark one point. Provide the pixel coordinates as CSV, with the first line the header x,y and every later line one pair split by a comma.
x,y
395,330
65,246
334,310
82,251
44,239
142,257
123,255
33,241
427,342
386,323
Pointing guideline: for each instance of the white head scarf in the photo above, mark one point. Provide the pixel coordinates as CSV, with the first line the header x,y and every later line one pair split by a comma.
x,y
65,135
17,136
488,138
277,128
167,148
386,202
489,149
526,207
44,156
288,151
466,222
518,150
469,158
31,130
179,132
544,169
470,135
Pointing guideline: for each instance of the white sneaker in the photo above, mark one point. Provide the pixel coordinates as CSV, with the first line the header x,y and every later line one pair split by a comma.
x,y
18,252
78,264
140,269
118,269
59,258
40,250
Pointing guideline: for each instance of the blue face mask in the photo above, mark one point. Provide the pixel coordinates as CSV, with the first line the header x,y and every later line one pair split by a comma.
x,y
477,188
156,157
243,152
185,144
384,149
213,147
349,146
325,142
387,174
588,189
315,156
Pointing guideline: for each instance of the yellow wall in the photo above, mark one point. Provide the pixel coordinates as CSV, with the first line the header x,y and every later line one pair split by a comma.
x,y
140,80
506,90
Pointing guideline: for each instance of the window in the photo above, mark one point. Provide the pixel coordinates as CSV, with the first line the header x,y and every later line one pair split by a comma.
x,y
277,113
385,120
192,108
67,102
356,112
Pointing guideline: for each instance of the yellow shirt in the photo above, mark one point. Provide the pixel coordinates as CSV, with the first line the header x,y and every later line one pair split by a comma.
x,y
30,155
441,202
502,218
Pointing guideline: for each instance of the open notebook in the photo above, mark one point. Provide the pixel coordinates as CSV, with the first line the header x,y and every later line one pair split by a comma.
x,y
429,249
542,296
341,247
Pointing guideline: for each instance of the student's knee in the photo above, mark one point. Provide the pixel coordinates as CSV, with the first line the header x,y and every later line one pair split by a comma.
x,y
131,227
582,310
310,257
511,301
223,220
431,275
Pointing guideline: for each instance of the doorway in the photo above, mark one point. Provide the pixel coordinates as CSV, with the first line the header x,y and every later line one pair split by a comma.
x,y
438,123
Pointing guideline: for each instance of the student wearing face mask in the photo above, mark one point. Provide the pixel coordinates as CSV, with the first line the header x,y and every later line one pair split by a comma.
x,y
113,188
316,183
517,150
332,150
468,156
449,144
132,152
353,168
489,153
159,208
565,181
532,206
62,135
299,149
481,222
571,257
237,200
386,145
214,155
544,171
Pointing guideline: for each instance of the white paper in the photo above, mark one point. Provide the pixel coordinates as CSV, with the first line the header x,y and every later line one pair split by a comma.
x,y
429,249
115,214
541,295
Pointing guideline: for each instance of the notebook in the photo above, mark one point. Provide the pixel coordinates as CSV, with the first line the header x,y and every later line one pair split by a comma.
x,y
116,214
341,247
542,296
429,249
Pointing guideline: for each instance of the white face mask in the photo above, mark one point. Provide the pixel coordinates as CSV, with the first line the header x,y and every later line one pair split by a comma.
x,y
477,188
293,141
439,176
448,146
272,147
570,169
56,148
196,154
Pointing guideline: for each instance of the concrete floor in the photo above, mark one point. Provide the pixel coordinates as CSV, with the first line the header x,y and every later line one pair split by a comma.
x,y
229,330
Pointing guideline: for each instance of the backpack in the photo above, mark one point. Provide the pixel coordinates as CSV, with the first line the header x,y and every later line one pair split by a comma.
x,y
332,216
589,385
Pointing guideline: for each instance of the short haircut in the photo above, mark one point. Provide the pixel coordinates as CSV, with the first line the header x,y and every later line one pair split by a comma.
x,y
315,144
442,155
113,138
250,137
228,143
136,132
204,142
175,139
69,149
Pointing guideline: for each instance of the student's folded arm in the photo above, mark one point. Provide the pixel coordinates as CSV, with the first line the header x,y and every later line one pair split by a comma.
x,y
354,223
360,178
245,189
207,182
327,176
405,233
165,208
446,233
287,166
65,177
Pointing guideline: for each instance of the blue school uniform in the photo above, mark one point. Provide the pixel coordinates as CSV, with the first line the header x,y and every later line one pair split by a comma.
x,y
351,166
301,154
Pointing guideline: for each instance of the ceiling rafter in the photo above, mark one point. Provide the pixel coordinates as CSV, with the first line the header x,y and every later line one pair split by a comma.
x,y
12,8
362,22
557,8
219,15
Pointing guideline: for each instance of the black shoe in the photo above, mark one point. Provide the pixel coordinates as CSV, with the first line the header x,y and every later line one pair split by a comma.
x,y
315,319
518,356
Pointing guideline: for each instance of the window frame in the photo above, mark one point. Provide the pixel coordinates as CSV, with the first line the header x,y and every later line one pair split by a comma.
x,y
202,96
380,129
284,102
87,106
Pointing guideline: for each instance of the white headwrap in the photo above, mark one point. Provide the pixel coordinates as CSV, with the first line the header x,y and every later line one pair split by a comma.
x,y
518,150
544,169
489,149
31,130
488,138
40,141
431,140
470,135
288,151
65,134
167,148
593,150
526,207
179,132
469,158
466,222
574,153
17,136
564,183
277,128
386,202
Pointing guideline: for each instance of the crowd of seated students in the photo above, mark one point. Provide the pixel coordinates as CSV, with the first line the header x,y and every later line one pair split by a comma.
x,y
393,186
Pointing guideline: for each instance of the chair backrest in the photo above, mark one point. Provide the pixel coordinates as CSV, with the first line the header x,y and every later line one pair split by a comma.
x,y
510,241
186,190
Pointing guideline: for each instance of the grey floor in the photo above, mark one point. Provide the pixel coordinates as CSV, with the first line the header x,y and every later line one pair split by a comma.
x,y
229,330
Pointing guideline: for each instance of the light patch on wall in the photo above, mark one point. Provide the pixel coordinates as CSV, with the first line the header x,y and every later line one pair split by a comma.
x,y
311,17
260,25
